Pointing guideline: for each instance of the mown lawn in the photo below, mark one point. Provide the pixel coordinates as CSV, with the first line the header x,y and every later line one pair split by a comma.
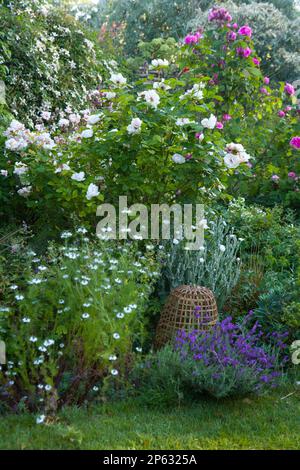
x,y
252,423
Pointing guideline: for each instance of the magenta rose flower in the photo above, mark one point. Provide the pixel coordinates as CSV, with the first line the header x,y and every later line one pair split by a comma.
x,y
295,142
245,31
256,61
289,89
281,113
292,175
266,80
243,52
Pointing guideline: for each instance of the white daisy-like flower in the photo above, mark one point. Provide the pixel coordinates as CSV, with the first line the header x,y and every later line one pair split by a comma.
x,y
48,388
120,315
116,336
33,339
40,419
114,372
85,315
26,320
112,357
66,235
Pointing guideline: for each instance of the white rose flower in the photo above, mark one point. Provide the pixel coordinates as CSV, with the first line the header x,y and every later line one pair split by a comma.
x,y
177,158
92,191
231,160
80,176
93,119
209,123
151,97
118,79
87,133
135,126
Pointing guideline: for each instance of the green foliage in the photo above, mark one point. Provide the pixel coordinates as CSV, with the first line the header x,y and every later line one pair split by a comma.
x,y
48,60
144,20
73,322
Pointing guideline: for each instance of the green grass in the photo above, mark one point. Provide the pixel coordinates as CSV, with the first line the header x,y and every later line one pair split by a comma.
x,y
251,423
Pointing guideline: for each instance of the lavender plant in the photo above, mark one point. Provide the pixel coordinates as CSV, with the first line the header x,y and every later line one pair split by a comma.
x,y
229,360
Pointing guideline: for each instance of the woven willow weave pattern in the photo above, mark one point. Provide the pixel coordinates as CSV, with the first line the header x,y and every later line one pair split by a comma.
x,y
189,308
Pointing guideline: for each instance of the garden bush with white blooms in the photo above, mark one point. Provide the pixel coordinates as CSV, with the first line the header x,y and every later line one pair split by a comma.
x,y
184,138
75,320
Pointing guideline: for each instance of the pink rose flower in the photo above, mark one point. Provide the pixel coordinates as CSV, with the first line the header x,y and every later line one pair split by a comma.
x,y
295,142
243,52
281,113
289,89
266,80
275,178
256,61
292,175
219,125
231,36
226,117
245,31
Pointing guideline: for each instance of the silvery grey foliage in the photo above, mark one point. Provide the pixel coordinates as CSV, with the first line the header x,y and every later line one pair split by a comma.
x,y
215,266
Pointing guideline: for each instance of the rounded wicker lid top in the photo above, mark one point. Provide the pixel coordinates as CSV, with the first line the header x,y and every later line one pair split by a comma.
x,y
193,292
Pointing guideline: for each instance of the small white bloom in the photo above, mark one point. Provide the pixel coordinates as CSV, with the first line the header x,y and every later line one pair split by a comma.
x,y
40,419
135,126
151,97
4,173
80,176
93,119
116,336
92,191
19,297
26,320
118,79
177,158
183,122
33,339
209,123
20,168
222,248
114,372
63,122
25,191
87,133
85,316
